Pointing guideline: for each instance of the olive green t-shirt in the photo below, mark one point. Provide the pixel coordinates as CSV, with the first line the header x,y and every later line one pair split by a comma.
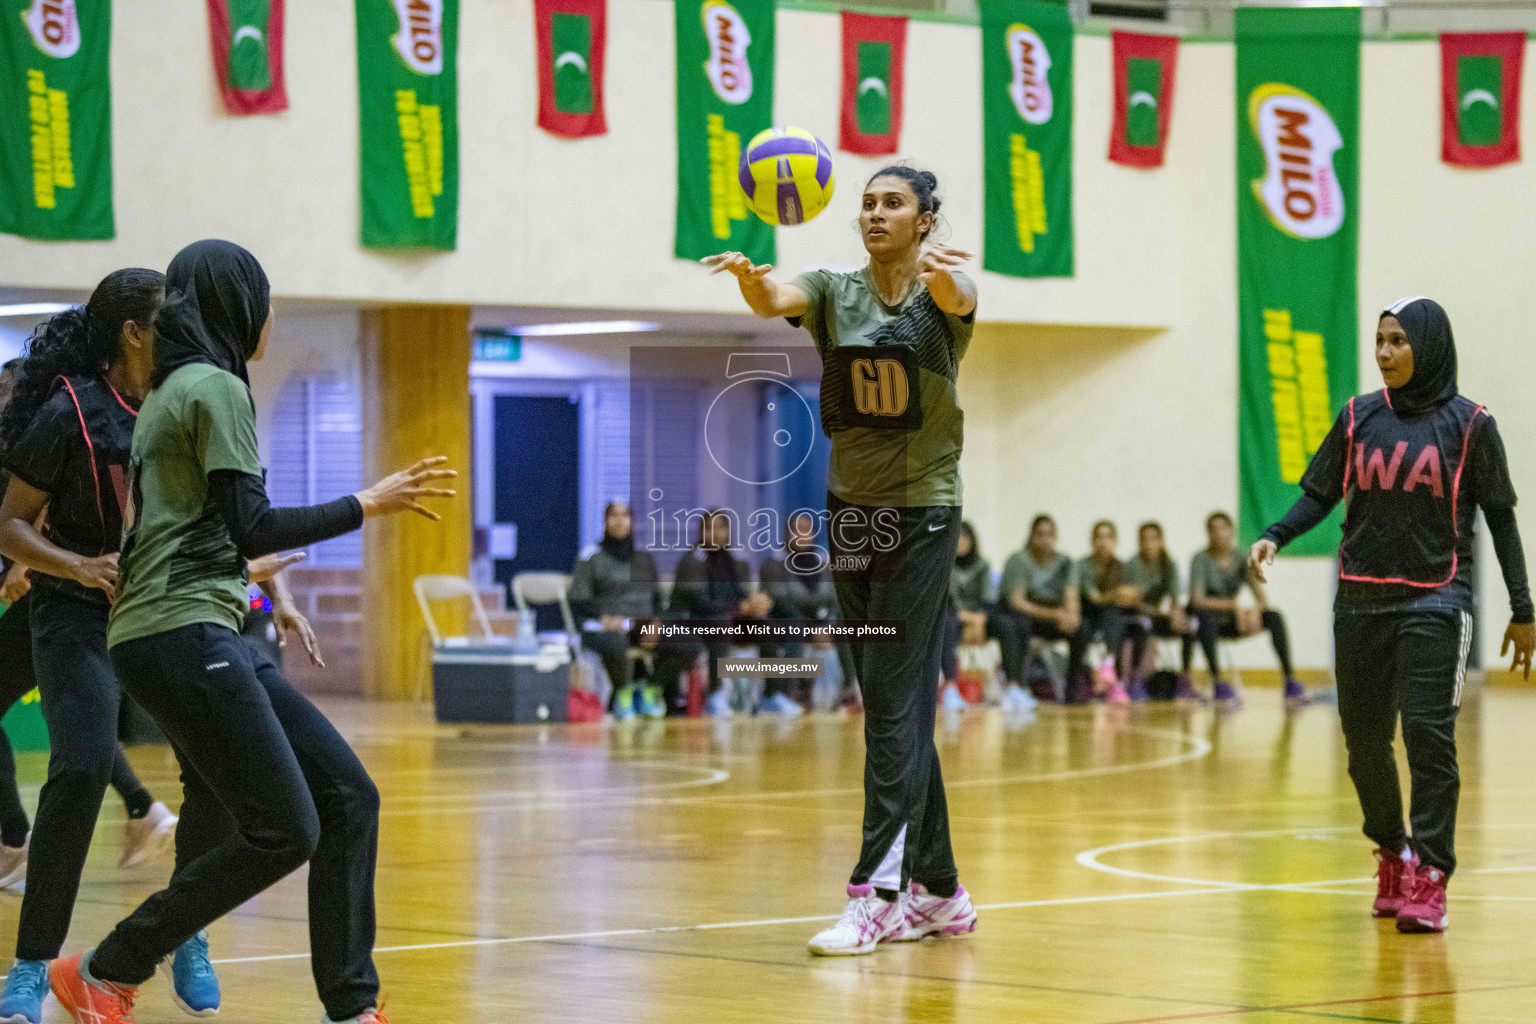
x,y
1045,585
892,414
178,565
1154,581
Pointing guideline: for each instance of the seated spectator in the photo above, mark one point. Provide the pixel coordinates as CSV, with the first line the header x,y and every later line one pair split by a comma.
x,y
974,617
1108,600
1216,576
711,584
1158,613
1040,587
613,594
798,586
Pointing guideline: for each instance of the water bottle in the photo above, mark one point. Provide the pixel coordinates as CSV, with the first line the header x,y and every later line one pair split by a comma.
x,y
525,642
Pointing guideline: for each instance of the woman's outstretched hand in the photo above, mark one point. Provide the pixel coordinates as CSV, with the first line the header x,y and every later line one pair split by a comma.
x,y
738,264
1261,554
1522,635
267,566
939,259
403,491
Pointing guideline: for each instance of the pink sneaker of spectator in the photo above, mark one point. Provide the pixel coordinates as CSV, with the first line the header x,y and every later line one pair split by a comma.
x,y
867,921
927,914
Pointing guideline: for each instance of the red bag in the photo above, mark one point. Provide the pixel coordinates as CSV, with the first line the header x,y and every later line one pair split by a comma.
x,y
585,706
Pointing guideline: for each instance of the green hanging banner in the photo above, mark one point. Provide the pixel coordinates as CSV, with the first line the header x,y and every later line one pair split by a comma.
x,y
724,97
408,116
1026,96
55,119
1298,158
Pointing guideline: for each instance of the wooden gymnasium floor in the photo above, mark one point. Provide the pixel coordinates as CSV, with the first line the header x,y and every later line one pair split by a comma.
x,y
1131,865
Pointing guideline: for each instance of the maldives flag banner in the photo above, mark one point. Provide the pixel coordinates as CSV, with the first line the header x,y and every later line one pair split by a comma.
x,y
1298,216
572,36
55,119
874,64
724,98
247,38
1144,69
1480,97
408,117
1026,101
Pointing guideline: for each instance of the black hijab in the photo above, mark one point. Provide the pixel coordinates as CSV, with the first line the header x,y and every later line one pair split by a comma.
x,y
621,548
1434,356
968,559
217,301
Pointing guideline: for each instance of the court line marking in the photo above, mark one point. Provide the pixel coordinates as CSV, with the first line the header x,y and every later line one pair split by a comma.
x,y
1090,859
1302,1007
722,925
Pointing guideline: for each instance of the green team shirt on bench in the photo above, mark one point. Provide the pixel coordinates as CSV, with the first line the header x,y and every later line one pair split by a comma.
x,y
179,565
888,399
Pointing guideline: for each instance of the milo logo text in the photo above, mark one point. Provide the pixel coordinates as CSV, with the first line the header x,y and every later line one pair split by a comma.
x,y
880,387
54,27
1300,189
728,39
1030,60
420,39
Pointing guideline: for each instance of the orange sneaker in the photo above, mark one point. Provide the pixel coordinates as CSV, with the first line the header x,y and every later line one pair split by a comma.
x,y
87,1000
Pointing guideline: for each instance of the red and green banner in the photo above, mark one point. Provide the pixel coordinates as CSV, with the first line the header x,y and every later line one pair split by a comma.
x,y
55,119
724,97
1144,73
572,39
1298,160
247,38
1480,97
874,65
1026,68
408,117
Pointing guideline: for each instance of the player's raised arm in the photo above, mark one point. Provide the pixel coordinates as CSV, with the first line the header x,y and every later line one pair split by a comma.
x,y
767,297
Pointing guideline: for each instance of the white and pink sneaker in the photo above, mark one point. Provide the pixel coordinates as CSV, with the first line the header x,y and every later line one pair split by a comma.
x,y
927,914
867,921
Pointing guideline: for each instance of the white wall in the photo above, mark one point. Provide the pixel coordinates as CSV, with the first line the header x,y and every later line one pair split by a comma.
x,y
1131,422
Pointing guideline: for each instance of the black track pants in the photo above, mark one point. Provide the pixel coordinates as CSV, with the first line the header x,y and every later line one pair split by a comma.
x,y
899,572
1408,666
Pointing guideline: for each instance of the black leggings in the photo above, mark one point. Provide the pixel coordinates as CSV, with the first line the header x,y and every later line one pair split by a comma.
x,y
80,705
296,792
1001,627
1214,625
1141,629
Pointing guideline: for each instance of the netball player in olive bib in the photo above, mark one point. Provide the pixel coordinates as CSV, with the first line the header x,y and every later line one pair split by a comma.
x,y
891,337
1411,462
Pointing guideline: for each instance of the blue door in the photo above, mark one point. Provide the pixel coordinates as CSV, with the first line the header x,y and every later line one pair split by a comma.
x,y
538,483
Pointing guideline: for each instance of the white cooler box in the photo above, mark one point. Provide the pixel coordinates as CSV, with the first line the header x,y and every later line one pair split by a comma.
x,y
495,684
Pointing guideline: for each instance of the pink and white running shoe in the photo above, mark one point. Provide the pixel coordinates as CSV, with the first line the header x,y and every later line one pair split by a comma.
x,y
927,914
867,921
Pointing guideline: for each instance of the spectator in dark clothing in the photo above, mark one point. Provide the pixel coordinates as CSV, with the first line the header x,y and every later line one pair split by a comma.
x,y
799,586
975,617
613,593
1040,590
1157,613
1108,601
709,584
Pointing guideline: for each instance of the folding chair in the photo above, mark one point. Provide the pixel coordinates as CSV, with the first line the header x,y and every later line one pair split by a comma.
x,y
448,588
545,588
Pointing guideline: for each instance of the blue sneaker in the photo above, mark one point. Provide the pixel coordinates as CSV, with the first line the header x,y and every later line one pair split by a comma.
x,y
652,705
783,705
719,704
25,987
194,986
1224,694
624,704
951,699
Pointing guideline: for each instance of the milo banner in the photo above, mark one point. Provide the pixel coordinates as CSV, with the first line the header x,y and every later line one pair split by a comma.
x,y
408,113
724,97
1298,146
55,119
1026,68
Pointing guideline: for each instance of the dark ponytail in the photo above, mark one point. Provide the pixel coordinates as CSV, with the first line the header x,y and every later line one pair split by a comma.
x,y
79,342
923,184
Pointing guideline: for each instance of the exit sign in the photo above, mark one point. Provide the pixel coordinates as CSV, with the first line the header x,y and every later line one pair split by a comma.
x,y
497,347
